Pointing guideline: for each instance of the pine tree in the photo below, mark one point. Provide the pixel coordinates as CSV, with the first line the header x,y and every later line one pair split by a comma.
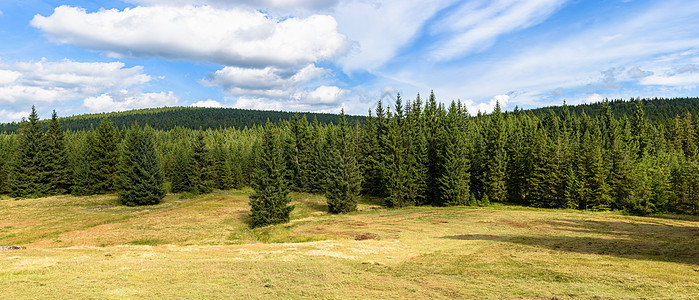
x,y
269,204
141,171
24,178
344,178
104,158
54,173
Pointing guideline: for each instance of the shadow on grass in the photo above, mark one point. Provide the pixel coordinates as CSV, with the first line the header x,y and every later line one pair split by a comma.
x,y
635,240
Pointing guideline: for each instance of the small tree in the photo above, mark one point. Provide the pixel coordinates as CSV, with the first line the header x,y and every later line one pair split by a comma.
x,y
142,179
269,202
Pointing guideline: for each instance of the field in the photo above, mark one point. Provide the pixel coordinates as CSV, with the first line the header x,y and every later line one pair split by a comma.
x,y
202,247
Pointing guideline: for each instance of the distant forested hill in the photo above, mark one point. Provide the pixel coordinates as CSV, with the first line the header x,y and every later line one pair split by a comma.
x,y
657,110
189,117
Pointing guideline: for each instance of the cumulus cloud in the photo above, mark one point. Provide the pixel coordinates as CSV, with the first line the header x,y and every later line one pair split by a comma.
x,y
322,99
238,37
6,115
102,86
207,103
324,95
267,82
125,100
45,81
487,107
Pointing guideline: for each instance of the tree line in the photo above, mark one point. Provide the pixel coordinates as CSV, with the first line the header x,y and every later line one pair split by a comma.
x,y
414,153
167,118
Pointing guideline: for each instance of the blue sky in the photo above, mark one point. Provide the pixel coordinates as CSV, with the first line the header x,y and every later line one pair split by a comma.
x,y
324,55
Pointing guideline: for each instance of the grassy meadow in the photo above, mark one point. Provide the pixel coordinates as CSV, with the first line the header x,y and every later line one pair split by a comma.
x,y
202,248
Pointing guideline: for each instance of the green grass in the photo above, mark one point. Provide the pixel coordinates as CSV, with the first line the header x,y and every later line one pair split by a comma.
x,y
202,247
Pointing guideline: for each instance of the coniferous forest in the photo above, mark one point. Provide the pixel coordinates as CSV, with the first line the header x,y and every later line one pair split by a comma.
x,y
607,156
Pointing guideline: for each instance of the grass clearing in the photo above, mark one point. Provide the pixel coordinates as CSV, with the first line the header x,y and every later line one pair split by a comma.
x,y
202,247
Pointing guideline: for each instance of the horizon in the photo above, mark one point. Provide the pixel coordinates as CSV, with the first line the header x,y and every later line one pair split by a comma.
x,y
322,56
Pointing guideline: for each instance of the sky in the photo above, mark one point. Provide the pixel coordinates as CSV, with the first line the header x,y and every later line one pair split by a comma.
x,y
87,56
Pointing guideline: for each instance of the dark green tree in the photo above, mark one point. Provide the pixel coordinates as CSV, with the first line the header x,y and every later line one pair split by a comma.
x,y
495,183
453,184
269,204
54,174
201,163
344,177
183,170
141,171
104,158
82,181
27,165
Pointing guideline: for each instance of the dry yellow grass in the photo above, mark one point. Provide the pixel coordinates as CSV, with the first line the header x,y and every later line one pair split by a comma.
x,y
91,247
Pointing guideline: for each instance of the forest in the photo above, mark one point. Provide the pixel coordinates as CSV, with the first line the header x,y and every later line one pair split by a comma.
x,y
607,156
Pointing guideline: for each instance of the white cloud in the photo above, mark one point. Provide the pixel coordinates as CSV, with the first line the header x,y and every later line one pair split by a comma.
x,y
234,36
207,103
476,25
636,72
268,82
45,81
0,12
681,79
487,107
594,98
381,28
322,99
653,39
8,76
103,86
282,6
126,100
8,116
323,95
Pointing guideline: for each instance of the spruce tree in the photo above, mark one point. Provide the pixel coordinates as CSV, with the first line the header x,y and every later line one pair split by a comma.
x,y
201,163
104,158
82,180
453,184
183,170
497,157
27,165
344,178
222,174
269,204
54,173
7,151
396,167
141,170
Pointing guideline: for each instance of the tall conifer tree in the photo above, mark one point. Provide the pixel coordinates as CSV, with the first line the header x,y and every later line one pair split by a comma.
x,y
269,204
25,176
141,171
344,178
